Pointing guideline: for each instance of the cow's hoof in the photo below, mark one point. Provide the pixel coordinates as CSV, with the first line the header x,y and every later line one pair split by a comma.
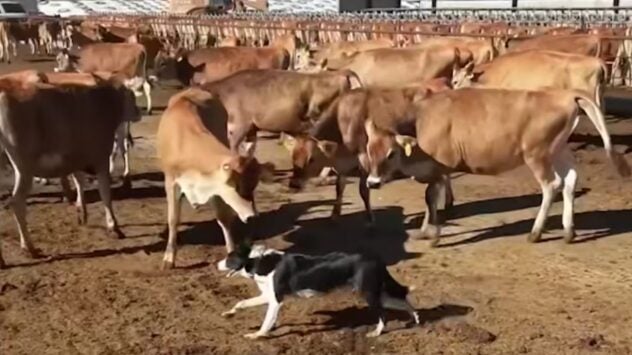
x,y
32,253
116,233
254,335
228,314
126,187
82,217
373,334
569,236
167,265
534,237
434,242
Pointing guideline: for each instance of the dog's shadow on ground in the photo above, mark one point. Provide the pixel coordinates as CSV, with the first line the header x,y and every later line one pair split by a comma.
x,y
354,317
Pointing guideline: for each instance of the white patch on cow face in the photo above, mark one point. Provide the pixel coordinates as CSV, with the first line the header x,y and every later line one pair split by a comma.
x,y
199,189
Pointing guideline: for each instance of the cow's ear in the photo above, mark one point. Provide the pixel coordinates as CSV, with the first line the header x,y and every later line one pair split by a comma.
x,y
407,142
469,67
289,142
199,68
328,148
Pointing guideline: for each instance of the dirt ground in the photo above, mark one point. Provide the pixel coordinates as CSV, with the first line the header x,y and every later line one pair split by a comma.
x,y
484,291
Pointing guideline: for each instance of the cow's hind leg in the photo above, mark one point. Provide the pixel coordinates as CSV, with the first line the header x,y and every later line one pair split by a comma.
x,y
105,191
66,192
549,182
340,189
80,204
564,165
23,183
147,92
174,206
431,226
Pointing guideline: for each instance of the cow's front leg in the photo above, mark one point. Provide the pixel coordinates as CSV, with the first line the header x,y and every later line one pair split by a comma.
x,y
105,191
225,218
248,303
431,227
365,193
340,189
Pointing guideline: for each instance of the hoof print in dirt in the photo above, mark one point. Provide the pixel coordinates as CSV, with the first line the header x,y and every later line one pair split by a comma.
x,y
595,342
466,332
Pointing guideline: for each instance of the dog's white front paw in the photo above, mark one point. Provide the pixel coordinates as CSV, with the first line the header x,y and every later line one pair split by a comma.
x,y
373,334
255,335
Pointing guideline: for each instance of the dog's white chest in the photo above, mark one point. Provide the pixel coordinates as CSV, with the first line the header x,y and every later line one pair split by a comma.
x,y
307,293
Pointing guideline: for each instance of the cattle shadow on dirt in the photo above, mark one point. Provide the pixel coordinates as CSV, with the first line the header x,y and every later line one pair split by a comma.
x,y
152,176
158,246
40,60
588,140
491,206
354,317
268,224
350,234
602,224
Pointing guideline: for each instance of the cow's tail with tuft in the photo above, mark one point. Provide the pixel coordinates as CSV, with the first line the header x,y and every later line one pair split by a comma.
x,y
595,115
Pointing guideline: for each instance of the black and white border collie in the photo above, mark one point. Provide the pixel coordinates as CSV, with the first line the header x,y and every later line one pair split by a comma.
x,y
279,274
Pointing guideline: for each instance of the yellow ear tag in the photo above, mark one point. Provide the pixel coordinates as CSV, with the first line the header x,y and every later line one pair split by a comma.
x,y
408,149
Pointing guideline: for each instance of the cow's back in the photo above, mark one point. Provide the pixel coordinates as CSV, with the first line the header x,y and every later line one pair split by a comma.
x,y
57,130
579,44
125,58
192,133
547,69
401,67
221,62
460,128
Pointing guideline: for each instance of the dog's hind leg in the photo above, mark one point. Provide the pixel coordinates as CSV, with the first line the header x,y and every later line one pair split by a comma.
x,y
399,304
250,302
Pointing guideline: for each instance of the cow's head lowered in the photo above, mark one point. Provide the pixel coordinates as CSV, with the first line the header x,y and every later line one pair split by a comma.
x,y
309,158
174,64
241,174
385,153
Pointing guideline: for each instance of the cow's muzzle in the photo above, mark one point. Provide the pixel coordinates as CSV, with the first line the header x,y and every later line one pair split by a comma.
x,y
373,182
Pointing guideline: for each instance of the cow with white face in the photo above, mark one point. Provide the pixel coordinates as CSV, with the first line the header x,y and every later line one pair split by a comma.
x,y
194,156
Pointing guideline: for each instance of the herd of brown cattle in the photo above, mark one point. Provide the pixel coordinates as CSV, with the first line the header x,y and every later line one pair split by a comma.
x,y
425,110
